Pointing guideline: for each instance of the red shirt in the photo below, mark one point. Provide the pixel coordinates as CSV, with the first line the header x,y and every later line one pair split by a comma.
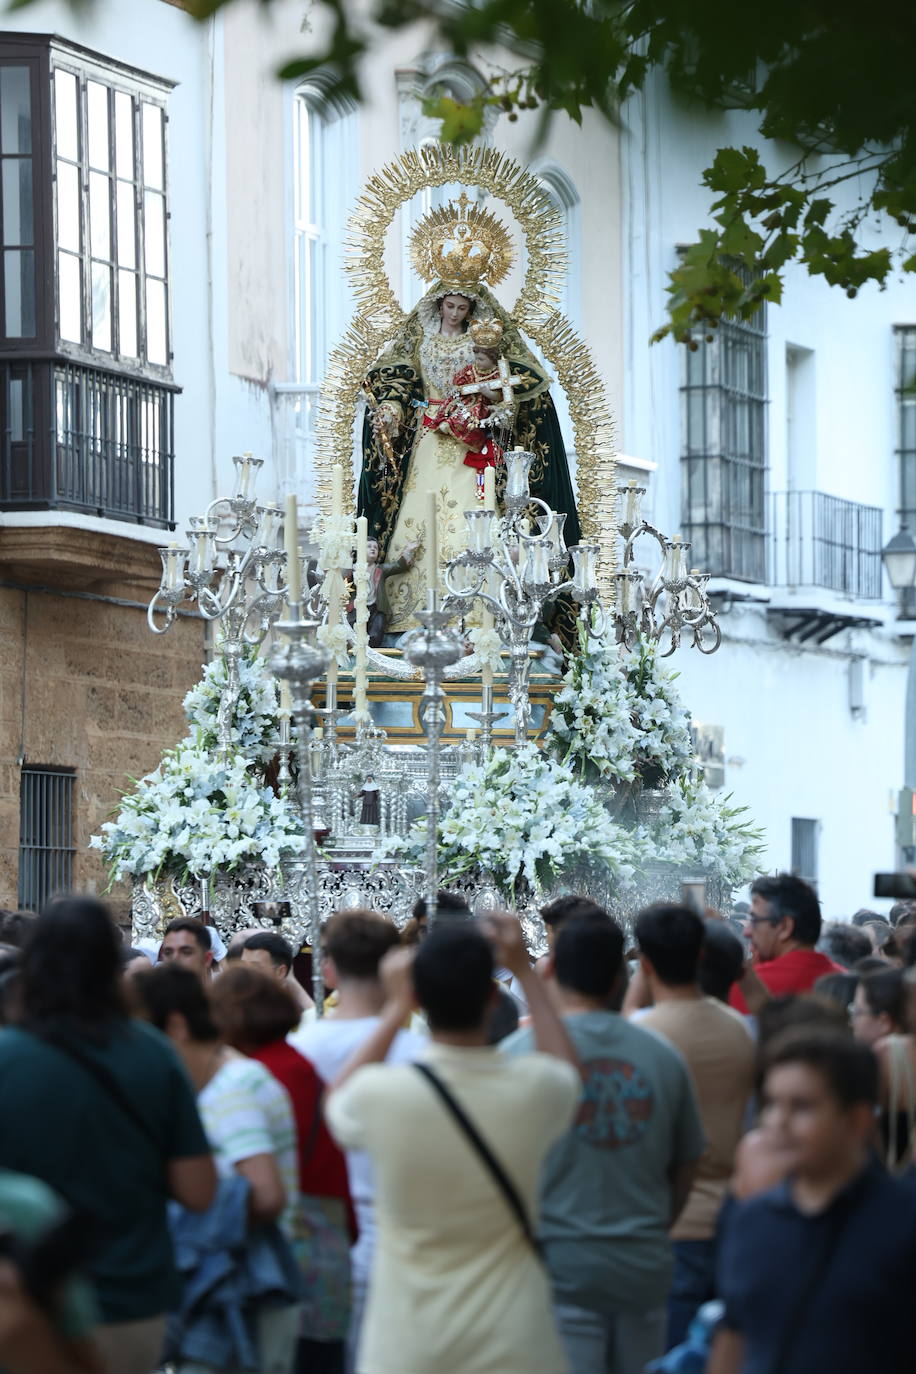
x,y
322,1164
794,972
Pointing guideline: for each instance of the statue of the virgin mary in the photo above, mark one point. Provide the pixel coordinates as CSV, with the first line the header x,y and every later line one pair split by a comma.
x,y
457,346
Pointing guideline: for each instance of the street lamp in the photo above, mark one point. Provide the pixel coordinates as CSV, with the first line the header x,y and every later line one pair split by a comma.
x,y
899,557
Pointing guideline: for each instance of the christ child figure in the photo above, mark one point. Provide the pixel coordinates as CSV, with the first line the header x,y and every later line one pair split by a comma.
x,y
479,401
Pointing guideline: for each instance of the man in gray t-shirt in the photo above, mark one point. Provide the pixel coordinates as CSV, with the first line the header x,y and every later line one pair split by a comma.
x,y
613,1185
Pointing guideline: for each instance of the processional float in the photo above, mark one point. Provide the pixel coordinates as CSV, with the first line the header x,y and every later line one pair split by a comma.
x,y
476,607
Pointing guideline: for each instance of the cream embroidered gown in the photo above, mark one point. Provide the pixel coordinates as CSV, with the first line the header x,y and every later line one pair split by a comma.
x,y
436,464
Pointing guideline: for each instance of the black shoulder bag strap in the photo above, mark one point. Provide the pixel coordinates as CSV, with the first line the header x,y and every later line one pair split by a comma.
x,y
498,1173
106,1080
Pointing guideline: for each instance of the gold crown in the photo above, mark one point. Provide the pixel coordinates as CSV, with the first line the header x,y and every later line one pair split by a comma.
x,y
461,245
487,333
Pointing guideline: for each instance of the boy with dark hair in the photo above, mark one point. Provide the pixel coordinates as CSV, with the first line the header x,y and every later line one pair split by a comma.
x,y
721,960
354,944
569,908
186,942
613,1184
719,1053
268,951
457,1284
783,926
846,1229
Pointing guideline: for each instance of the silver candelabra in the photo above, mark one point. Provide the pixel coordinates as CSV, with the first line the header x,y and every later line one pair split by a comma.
x,y
299,661
515,573
234,567
432,648
675,602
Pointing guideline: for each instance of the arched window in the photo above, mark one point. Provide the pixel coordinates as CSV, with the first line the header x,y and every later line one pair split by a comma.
x,y
565,197
325,162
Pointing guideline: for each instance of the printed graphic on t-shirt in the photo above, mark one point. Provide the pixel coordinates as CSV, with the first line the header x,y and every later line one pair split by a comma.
x,y
617,1104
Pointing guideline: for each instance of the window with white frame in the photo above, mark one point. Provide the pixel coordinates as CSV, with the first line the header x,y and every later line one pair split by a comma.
x,y
804,848
111,214
324,185
906,440
724,453
565,198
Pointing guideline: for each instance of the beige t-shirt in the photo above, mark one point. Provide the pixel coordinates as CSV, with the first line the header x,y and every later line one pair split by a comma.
x,y
720,1056
456,1288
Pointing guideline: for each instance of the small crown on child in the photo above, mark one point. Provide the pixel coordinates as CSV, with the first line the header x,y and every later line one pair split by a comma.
x,y
487,333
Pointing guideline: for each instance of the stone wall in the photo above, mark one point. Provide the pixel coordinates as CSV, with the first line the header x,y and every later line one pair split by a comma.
x,y
85,685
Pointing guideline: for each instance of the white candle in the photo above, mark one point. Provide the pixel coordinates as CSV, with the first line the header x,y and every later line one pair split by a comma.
x,y
291,544
432,543
286,698
489,489
337,489
486,623
361,572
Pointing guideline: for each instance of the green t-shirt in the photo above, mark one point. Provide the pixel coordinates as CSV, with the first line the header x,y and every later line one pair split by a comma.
x,y
606,1195
62,1126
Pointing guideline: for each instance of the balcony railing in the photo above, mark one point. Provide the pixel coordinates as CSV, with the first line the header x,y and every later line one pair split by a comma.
x,y
818,540
80,438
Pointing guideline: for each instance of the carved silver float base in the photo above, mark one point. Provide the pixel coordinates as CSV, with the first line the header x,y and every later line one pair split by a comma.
x,y
347,878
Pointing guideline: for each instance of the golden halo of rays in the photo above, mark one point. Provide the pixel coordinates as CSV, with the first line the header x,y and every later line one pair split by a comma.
x,y
379,316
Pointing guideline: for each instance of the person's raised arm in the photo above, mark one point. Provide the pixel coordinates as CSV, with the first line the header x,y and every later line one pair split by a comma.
x,y
638,993
550,1035
396,974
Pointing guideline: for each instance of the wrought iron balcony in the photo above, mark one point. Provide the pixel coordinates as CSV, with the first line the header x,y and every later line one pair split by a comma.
x,y
822,541
85,439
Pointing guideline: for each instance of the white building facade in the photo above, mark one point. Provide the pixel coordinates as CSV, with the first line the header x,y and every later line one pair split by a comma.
x,y
781,451
785,454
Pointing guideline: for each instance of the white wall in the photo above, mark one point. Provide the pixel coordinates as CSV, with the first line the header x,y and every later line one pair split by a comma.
x,y
258,178
163,40
792,746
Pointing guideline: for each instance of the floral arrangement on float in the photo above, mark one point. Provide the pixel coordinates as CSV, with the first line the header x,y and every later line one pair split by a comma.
x,y
519,816
195,814
203,810
618,717
613,797
253,724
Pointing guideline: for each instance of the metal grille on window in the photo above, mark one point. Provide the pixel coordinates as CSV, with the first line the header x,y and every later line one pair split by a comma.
x,y
724,463
804,849
46,845
906,440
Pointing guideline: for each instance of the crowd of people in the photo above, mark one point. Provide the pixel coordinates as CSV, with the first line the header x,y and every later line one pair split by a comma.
x,y
686,1145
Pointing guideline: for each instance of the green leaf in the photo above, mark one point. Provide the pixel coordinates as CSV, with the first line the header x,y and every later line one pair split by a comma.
x,y
732,170
461,123
739,240
780,251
